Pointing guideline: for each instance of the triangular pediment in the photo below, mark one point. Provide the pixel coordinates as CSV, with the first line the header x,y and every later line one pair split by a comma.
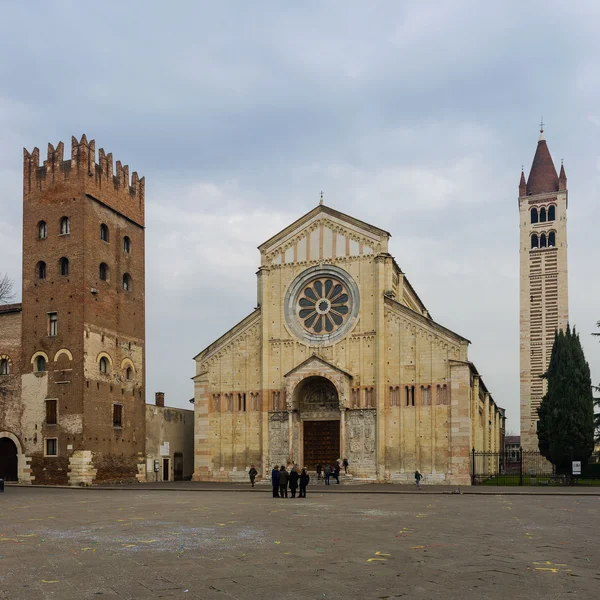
x,y
315,363
323,234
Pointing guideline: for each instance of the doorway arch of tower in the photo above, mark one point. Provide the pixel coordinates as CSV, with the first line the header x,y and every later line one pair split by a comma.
x,y
13,465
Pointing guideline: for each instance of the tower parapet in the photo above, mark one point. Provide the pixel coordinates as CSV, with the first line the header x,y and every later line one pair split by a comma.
x,y
81,172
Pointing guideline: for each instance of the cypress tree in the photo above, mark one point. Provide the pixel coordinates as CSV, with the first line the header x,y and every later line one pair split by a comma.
x,y
566,413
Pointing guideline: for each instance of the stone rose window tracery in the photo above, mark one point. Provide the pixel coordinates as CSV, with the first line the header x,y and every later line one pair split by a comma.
x,y
323,305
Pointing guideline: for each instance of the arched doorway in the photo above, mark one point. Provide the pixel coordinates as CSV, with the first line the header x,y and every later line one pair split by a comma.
x,y
9,460
317,401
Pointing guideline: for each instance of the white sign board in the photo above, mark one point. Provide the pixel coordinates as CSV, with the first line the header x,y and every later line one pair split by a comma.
x,y
576,467
164,449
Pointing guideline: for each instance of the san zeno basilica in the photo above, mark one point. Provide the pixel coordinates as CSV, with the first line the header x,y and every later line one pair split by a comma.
x,y
340,359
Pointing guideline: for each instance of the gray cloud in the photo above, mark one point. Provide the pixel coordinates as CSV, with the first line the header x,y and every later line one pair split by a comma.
x,y
415,117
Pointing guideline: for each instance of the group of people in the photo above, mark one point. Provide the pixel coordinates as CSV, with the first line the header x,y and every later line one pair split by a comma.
x,y
282,479
327,472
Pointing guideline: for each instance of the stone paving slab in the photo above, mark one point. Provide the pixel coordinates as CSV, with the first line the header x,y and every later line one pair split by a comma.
x,y
136,543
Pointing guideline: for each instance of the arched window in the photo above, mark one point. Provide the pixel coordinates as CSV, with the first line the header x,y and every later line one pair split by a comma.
x,y
534,241
65,226
534,215
104,233
41,270
126,245
42,230
551,239
543,240
128,373
40,364
103,271
64,266
127,282
4,367
104,365
543,214
551,212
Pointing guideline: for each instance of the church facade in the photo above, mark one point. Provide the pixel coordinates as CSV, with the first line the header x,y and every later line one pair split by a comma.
x,y
340,359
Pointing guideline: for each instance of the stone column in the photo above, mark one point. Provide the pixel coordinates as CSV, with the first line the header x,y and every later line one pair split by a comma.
x,y
290,437
343,433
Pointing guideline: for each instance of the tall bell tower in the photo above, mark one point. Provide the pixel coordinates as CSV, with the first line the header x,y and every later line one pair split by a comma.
x,y
544,305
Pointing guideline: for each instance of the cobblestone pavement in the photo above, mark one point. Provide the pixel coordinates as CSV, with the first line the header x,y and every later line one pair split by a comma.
x,y
139,543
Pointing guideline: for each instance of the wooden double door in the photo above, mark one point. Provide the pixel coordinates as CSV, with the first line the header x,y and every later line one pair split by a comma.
x,y
321,443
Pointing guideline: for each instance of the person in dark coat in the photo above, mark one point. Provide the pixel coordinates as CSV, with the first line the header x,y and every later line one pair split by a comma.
x,y
275,481
327,474
319,469
304,479
293,481
252,473
346,463
283,482
336,472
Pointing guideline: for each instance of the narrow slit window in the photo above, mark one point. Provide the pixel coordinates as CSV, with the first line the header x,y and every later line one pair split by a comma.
x,y
117,415
51,412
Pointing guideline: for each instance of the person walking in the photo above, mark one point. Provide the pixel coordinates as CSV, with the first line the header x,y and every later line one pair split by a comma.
x,y
304,479
252,473
346,463
283,482
336,472
418,478
327,474
293,481
275,481
319,470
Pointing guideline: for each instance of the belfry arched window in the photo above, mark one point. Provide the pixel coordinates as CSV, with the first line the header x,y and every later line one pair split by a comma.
x,y
104,232
535,241
65,226
543,240
543,214
551,212
4,366
534,215
42,230
103,272
551,239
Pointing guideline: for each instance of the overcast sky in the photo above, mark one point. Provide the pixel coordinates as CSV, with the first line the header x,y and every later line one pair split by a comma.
x,y
413,116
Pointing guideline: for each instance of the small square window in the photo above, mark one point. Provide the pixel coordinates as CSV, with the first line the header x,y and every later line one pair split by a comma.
x,y
51,447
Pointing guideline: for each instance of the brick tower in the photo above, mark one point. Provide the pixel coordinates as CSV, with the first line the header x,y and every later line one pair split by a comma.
x,y
83,331
544,279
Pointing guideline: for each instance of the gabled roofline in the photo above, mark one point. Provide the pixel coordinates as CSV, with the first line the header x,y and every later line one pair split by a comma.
x,y
10,308
330,211
321,360
215,345
426,320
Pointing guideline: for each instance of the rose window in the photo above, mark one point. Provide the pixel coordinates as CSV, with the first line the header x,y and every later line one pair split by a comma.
x,y
323,305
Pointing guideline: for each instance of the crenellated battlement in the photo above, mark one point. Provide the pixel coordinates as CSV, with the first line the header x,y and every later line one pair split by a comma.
x,y
97,178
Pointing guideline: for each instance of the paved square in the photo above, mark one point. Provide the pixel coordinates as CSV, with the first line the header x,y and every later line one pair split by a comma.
x,y
74,544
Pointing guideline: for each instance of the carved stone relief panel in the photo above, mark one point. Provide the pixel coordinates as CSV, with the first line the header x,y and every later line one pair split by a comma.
x,y
360,438
278,438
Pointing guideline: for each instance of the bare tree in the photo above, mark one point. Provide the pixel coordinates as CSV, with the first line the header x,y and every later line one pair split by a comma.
x,y
6,289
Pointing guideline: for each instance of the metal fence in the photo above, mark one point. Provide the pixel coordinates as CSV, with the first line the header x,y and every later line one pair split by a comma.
x,y
513,467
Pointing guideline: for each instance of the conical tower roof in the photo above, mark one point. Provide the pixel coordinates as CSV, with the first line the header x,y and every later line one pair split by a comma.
x,y
543,177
